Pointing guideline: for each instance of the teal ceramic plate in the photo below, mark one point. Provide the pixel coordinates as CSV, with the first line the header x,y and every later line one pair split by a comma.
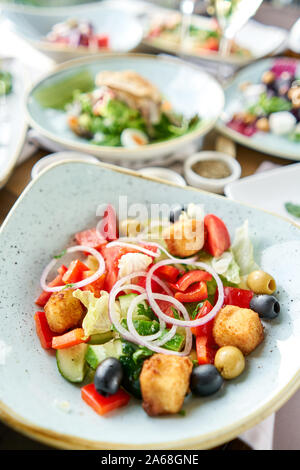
x,y
187,87
13,125
63,200
33,24
278,146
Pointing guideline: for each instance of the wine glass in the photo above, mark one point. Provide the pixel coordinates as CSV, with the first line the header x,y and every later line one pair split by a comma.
x,y
232,15
186,8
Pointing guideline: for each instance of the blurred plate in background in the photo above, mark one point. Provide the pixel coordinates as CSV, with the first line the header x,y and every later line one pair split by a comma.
x,y
13,124
33,24
266,142
189,90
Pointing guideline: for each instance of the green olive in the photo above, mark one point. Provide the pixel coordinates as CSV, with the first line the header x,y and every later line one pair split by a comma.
x,y
230,362
261,282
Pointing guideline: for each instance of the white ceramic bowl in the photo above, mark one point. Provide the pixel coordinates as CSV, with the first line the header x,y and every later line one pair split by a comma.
x,y
211,184
163,174
59,157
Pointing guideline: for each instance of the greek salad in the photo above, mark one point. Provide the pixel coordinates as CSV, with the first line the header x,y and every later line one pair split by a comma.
x,y
273,104
155,310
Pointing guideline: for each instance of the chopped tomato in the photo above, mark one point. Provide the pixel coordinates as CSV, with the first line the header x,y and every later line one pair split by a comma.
x,y
108,226
195,293
101,404
168,273
103,40
206,329
58,281
43,330
205,353
238,297
211,44
217,236
90,238
95,287
190,278
154,285
112,256
75,272
71,338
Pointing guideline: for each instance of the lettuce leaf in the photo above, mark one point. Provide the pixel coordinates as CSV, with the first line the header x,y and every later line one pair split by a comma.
x,y
97,319
242,250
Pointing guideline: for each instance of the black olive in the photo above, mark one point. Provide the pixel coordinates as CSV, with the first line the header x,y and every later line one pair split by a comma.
x,y
108,376
205,380
175,213
267,306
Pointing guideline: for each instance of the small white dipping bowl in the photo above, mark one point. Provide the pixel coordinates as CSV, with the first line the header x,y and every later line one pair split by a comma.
x,y
164,174
59,157
215,185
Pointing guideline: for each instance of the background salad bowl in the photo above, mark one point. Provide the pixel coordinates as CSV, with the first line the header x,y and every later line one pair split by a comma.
x,y
63,200
189,90
267,142
33,24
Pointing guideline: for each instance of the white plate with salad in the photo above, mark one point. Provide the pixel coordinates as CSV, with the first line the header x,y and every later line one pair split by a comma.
x,y
13,126
262,107
125,106
131,344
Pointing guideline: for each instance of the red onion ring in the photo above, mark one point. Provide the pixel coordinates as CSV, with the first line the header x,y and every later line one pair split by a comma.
x,y
154,345
135,247
179,305
79,284
153,337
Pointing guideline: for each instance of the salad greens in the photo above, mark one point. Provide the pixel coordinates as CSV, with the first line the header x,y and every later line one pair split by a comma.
x,y
268,105
5,82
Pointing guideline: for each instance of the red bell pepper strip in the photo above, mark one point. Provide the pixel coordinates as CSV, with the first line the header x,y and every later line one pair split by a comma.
x,y
75,272
108,226
101,404
217,236
102,40
71,338
95,287
58,281
90,238
205,353
190,278
238,297
168,273
206,329
43,330
197,293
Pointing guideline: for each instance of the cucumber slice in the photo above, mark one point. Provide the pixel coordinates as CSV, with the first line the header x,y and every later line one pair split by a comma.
x,y
125,301
101,338
71,362
95,354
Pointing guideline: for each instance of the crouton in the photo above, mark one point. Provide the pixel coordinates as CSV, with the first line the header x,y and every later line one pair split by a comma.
x,y
184,237
164,383
240,327
63,311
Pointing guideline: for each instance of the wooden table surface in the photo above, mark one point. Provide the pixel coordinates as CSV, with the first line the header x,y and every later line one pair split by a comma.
x,y
249,160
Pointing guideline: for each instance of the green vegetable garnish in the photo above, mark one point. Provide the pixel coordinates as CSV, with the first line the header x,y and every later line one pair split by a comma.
x,y
293,209
5,82
267,105
60,254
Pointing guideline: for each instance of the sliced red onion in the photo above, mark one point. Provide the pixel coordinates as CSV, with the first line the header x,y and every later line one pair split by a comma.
x,y
135,247
133,331
187,322
160,247
155,345
79,284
